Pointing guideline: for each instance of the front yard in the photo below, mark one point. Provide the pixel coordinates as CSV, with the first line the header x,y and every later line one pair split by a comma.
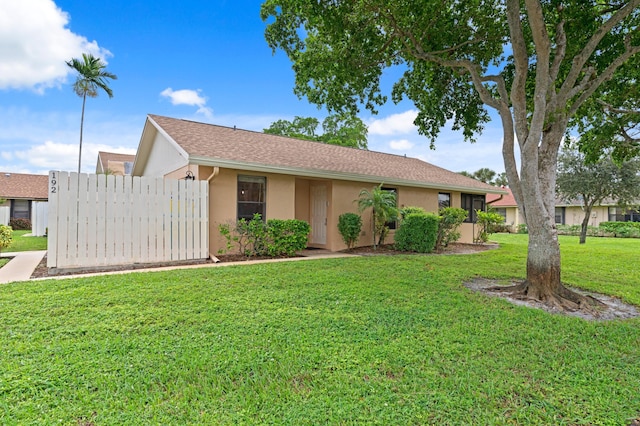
x,y
376,340
26,243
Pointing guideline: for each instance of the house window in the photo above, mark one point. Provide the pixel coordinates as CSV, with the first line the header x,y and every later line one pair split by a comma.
x,y
619,214
251,196
560,215
21,209
444,200
472,203
392,224
502,211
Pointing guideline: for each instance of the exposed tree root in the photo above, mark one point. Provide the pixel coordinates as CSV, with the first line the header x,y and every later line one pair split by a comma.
x,y
563,299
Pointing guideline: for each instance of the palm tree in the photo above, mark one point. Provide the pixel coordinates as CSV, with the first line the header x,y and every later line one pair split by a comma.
x,y
383,209
91,77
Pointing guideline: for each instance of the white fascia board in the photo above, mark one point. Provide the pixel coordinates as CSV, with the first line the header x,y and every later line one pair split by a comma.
x,y
322,174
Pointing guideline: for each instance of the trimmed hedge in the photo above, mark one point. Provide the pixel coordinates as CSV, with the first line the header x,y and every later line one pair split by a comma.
x,y
349,226
20,224
286,237
277,237
622,229
417,233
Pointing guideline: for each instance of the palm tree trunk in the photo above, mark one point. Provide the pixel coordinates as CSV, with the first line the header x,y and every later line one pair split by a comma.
x,y
84,100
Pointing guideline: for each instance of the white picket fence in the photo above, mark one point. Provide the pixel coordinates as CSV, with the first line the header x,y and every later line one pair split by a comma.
x,y
39,216
5,211
105,220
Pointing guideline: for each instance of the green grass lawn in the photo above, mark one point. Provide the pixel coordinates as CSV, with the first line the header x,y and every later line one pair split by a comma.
x,y
371,340
22,243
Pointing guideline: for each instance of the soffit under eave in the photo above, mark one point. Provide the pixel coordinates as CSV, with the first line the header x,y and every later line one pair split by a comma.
x,y
352,177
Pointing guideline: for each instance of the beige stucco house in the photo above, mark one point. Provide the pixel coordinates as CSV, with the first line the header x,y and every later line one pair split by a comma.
x,y
20,192
567,212
284,178
114,163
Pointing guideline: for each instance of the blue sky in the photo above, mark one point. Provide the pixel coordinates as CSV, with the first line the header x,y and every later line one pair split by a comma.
x,y
199,60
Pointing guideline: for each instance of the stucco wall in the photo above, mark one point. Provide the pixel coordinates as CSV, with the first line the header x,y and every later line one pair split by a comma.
x,y
344,194
575,215
287,197
223,201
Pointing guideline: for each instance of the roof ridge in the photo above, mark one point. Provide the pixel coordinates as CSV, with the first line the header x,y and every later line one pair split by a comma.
x,y
293,138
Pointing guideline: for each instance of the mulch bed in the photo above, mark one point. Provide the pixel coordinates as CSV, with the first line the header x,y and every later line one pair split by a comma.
x,y
382,250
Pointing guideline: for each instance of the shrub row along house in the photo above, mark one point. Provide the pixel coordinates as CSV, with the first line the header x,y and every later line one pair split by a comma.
x,y
286,178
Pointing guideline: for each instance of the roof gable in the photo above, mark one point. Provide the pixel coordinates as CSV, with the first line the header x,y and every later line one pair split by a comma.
x,y
209,144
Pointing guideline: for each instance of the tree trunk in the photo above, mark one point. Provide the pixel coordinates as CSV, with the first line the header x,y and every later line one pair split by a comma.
x,y
585,224
543,262
84,100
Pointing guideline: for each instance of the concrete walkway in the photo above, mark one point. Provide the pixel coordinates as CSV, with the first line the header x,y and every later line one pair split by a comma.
x,y
24,263
21,266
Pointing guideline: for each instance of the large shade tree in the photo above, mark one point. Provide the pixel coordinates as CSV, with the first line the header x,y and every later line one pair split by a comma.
x,y
534,62
91,77
338,129
591,183
611,120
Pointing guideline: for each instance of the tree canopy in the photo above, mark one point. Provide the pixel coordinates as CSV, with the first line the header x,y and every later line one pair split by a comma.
x,y
339,129
535,62
489,176
591,183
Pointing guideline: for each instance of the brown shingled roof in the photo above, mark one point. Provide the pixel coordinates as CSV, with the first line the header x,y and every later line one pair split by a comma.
x,y
508,200
24,186
105,157
206,143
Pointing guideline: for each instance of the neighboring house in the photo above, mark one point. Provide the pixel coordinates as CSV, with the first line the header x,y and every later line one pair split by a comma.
x,y
506,206
21,192
114,163
567,212
285,178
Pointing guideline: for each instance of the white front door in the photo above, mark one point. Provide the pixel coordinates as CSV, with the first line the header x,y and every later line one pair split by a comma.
x,y
318,213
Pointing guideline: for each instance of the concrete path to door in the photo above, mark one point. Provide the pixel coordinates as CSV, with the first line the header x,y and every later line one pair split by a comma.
x,y
21,266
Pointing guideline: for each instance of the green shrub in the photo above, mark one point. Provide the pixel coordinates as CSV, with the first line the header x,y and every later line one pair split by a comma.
x,y
6,236
255,238
20,224
248,235
621,229
572,230
522,229
450,220
486,223
502,228
405,211
286,237
349,226
418,233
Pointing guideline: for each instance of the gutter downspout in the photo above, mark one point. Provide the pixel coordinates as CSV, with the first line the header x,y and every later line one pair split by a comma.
x,y
216,172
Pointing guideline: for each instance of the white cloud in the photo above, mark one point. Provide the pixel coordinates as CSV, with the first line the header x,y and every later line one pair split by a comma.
x,y
35,43
64,157
33,142
188,97
401,145
394,124
50,155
